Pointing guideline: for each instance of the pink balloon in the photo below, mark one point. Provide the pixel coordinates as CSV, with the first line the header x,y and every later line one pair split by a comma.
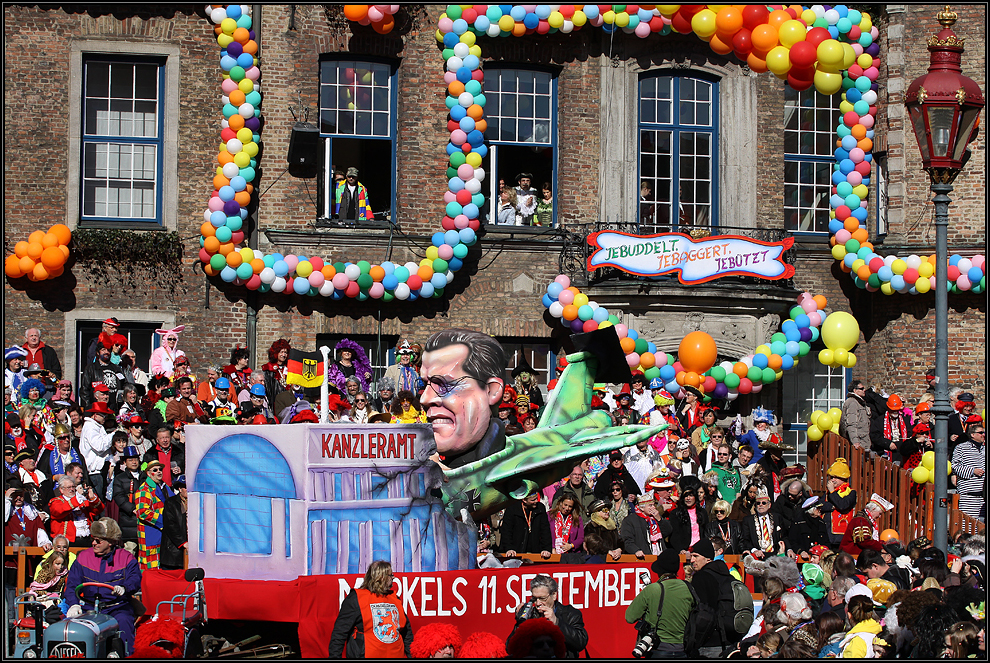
x,y
253,73
854,178
376,290
874,32
228,86
376,15
757,388
642,30
564,280
856,155
871,73
449,197
931,279
681,394
465,171
340,280
566,297
446,252
803,297
316,279
457,137
632,359
445,25
620,328
661,358
867,121
963,282
215,204
857,49
461,222
979,261
292,261
449,77
842,236
809,306
816,318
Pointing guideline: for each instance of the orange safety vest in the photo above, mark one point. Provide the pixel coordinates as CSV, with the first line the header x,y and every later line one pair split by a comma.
x,y
383,621
840,521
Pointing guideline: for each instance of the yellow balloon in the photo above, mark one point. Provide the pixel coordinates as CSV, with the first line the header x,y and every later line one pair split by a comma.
x,y
763,350
840,355
824,422
703,23
848,56
839,251
579,18
826,357
928,460
828,82
791,32
835,413
850,360
779,60
815,433
926,269
668,10
813,419
920,474
431,253
949,465
840,330
580,299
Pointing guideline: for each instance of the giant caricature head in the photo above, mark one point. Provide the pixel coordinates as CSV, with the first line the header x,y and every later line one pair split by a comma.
x,y
463,370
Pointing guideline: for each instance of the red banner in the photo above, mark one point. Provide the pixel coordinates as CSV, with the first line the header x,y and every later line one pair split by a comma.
x,y
477,600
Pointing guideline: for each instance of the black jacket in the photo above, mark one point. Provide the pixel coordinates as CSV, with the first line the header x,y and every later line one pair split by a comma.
x,y
173,533
603,485
680,527
518,536
178,455
735,532
50,359
609,536
125,487
348,630
711,584
571,624
112,375
635,534
788,511
805,533
751,536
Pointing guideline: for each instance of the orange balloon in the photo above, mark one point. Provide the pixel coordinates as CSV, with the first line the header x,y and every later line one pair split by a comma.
x,y
858,131
728,21
65,250
257,265
355,12
251,46
851,224
12,267
868,245
207,229
425,272
844,267
481,125
691,378
571,312
329,272
697,352
628,345
756,63
455,89
384,26
865,144
764,38
861,235
518,30
475,112
775,361
223,158
234,259
36,237
55,273
777,18
219,181
719,46
236,98
52,258
241,35
821,301
35,249
226,249
377,273
243,198
236,122
208,268
831,241
40,273
50,239
680,377
889,534
647,360
864,272
21,249
740,369
211,244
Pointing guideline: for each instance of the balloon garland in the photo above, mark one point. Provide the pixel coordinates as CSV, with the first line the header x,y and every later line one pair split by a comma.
x,y
42,256
697,352
832,48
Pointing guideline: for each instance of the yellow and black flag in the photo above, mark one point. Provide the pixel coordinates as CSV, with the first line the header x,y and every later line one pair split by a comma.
x,y
305,368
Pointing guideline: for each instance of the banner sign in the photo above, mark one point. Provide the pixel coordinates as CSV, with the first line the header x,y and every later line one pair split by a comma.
x,y
694,260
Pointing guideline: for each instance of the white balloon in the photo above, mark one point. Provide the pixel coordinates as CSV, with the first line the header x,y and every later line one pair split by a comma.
x,y
913,261
402,291
567,26
732,395
479,174
465,99
267,275
472,185
449,275
217,15
224,99
964,265
246,110
327,288
224,124
207,214
278,285
819,10
727,365
462,50
454,63
888,260
352,272
234,146
757,388
556,309
494,30
412,267
246,10
231,169
832,16
593,305
870,97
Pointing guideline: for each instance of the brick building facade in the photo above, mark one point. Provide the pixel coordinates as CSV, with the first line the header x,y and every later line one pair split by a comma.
x,y
595,156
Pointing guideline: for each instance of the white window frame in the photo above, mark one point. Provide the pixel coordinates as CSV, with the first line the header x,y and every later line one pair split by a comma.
x,y
826,391
819,158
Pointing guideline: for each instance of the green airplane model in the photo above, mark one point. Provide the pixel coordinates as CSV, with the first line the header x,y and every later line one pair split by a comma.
x,y
569,431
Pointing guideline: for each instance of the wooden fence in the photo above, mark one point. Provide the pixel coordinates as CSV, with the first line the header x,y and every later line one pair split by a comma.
x,y
912,515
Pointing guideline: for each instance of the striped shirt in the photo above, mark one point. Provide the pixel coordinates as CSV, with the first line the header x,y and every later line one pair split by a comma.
x,y
965,459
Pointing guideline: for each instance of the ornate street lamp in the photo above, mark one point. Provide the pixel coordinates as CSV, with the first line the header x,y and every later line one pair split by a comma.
x,y
945,108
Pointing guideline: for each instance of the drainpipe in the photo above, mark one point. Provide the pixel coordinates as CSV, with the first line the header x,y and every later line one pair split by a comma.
x,y
251,322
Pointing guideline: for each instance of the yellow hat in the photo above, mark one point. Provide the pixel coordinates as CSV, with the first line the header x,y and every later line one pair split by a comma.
x,y
882,589
840,469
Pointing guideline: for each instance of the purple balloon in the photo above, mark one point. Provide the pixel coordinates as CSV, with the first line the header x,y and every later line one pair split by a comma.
x,y
252,123
234,49
251,34
873,49
577,325
720,391
231,208
806,334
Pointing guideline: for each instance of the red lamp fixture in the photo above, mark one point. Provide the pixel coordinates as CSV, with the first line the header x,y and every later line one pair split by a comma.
x,y
944,105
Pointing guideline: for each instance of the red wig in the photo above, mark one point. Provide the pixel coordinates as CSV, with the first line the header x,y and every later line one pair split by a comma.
x,y
432,638
521,642
483,645
164,634
277,346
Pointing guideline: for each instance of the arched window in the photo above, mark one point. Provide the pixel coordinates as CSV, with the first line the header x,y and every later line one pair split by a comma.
x,y
678,152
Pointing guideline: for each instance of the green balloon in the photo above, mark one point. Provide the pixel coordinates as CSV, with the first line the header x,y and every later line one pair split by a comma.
x,y
339,267
453,12
641,346
769,375
731,380
796,311
652,373
778,337
803,348
364,281
718,373
460,251
440,265
451,172
614,319
755,374
447,54
218,261
364,266
438,292
388,296
670,359
457,159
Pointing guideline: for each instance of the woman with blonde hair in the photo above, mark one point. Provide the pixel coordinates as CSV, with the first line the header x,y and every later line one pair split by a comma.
x,y
566,526
384,633
49,585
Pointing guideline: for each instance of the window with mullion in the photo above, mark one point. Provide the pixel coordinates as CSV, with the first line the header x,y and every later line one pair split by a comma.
x,y
122,139
677,152
810,386
809,145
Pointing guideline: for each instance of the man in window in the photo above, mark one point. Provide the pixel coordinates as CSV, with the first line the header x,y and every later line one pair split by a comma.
x,y
526,198
352,199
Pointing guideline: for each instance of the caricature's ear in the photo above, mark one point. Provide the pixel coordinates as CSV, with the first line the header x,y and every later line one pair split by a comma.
x,y
494,387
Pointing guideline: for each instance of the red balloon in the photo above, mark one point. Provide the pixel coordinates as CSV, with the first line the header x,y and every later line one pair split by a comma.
x,y
876,264
855,71
803,55
254,282
237,236
414,282
681,22
469,15
589,326
474,224
691,10
754,15
816,36
543,27
742,43
952,272
204,256
855,32
677,367
451,125
353,289
842,212
863,168
799,84
463,197
447,223
567,11
288,286
227,133
656,24
709,384
745,386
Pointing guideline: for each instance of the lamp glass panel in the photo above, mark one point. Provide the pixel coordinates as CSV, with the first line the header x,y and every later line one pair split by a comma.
x,y
968,119
918,121
940,121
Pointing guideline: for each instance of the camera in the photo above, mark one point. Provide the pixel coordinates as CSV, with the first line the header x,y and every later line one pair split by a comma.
x,y
647,639
529,612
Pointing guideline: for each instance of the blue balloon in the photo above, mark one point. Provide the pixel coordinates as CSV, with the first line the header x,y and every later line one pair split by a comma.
x,y
850,259
852,96
437,239
554,289
791,335
517,12
841,155
591,11
471,62
451,148
280,267
451,238
458,113
388,266
227,63
633,334
245,60
454,264
300,285
849,142
651,347
531,21
476,138
460,26
547,300
837,177
455,184
463,74
426,290
860,214
834,226
234,11
667,373
467,126
601,313
974,274
760,360
228,274
390,282
277,256
788,324
787,362
543,11
954,259
467,236
897,282
792,348
471,211
226,193
438,280
672,387
482,150
802,321
481,24
217,219
450,40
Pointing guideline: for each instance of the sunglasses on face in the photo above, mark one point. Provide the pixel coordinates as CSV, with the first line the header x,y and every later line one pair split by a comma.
x,y
763,501
360,400
62,437
723,455
719,512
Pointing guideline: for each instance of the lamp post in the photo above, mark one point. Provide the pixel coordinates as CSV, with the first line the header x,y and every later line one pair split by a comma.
x,y
944,107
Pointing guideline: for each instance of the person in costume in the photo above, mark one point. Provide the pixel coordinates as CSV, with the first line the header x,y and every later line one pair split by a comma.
x,y
351,199
701,438
371,622
238,371
351,362
406,409
840,500
149,503
404,375
524,378
689,412
163,358
665,441
896,429
863,531
642,399
276,369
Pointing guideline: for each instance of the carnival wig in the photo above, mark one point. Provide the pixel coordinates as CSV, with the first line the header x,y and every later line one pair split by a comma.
x,y
360,363
483,645
32,383
277,346
433,637
521,642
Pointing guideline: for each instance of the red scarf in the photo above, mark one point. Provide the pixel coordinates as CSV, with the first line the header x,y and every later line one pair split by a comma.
x,y
561,528
652,524
888,431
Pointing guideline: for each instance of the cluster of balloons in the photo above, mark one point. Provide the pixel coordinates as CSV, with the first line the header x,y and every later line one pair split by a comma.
x,y
42,256
519,20
380,17
820,422
237,159
925,473
839,333
697,352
